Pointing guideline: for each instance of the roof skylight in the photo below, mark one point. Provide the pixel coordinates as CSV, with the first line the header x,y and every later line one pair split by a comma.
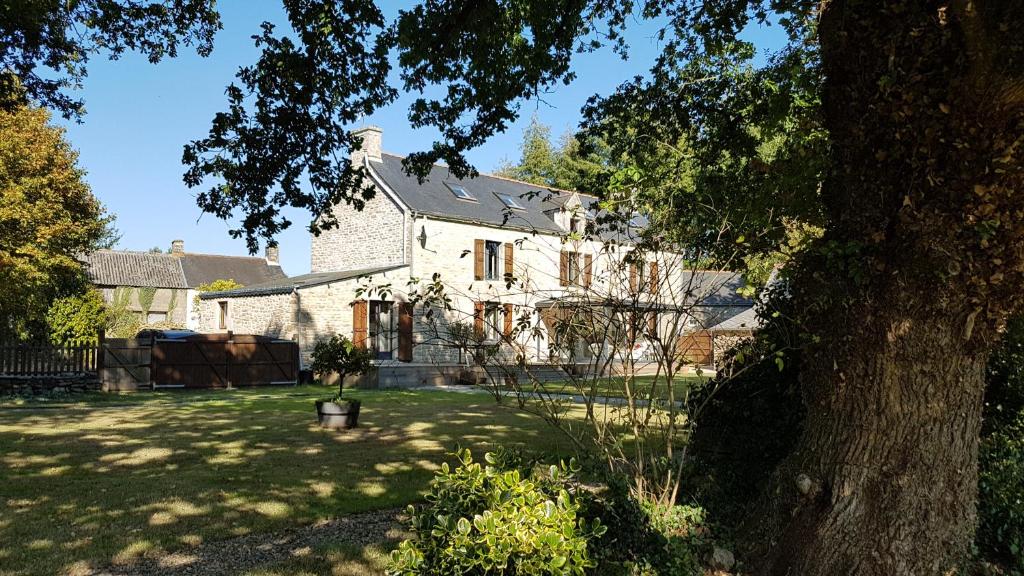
x,y
509,200
459,191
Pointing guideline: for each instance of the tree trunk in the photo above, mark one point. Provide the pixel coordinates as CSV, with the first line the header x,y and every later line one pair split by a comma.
x,y
904,296
884,480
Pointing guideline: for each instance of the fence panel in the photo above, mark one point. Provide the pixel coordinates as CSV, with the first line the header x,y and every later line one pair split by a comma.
x,y
696,348
126,364
43,360
220,361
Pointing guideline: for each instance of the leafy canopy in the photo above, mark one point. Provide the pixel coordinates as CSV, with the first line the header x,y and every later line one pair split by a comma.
x,y
285,137
48,217
285,140
46,45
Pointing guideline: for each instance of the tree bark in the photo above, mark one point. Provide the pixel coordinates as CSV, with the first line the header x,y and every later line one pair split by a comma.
x,y
885,476
905,294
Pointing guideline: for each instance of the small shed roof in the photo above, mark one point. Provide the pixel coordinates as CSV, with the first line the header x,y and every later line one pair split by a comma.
x,y
288,285
746,320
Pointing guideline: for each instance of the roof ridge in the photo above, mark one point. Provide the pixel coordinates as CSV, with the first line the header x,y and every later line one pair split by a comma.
x,y
253,257
176,256
506,178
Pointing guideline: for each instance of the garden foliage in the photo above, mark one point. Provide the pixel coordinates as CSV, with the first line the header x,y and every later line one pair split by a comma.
x,y
340,355
73,319
1000,536
1000,499
498,519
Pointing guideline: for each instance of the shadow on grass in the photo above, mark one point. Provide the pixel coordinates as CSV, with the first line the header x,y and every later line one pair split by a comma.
x,y
94,486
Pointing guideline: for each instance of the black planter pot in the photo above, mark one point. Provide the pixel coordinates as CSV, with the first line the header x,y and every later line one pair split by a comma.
x,y
338,415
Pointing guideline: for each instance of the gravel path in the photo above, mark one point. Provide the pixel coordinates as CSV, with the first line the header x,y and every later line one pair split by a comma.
x,y
258,550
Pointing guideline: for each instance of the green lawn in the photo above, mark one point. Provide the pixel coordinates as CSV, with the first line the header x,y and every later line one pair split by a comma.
x,y
114,478
643,386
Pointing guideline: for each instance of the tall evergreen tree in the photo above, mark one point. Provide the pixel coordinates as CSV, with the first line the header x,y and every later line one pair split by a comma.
x,y
567,164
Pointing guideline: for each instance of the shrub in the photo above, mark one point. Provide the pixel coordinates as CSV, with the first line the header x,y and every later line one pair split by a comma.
x,y
1001,495
76,318
1004,390
496,519
215,286
643,539
339,354
752,417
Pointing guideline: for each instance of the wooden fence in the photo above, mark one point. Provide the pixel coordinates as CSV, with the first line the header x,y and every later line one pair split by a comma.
x,y
201,361
224,361
44,360
126,364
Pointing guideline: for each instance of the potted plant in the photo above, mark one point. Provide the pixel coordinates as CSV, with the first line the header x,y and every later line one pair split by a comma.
x,y
339,355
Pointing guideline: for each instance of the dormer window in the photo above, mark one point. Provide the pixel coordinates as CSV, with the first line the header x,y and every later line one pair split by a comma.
x,y
575,225
460,192
509,200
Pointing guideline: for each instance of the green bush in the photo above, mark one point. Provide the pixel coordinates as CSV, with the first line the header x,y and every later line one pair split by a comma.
x,y
497,519
647,540
76,318
1001,495
684,529
1004,389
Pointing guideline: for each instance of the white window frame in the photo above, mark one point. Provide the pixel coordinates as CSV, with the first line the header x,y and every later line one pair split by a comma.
x,y
460,192
509,201
492,269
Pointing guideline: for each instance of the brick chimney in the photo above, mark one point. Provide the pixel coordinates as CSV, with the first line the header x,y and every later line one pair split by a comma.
x,y
371,148
177,247
272,255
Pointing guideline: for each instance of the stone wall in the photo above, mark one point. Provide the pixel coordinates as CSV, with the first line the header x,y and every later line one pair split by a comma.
x,y
317,312
372,238
306,315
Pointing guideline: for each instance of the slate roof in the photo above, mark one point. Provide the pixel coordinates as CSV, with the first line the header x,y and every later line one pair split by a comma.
x,y
434,198
288,285
124,268
246,270
704,289
712,288
121,268
746,320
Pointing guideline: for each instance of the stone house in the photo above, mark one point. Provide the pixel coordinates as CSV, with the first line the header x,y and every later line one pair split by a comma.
x,y
470,236
161,288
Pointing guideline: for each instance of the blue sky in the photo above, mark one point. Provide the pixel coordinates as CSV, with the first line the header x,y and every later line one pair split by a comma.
x,y
140,115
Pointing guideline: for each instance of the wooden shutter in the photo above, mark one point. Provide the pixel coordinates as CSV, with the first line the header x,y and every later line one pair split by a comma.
x,y
359,319
405,319
508,261
632,278
654,277
478,259
588,269
478,320
563,269
508,320
652,323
